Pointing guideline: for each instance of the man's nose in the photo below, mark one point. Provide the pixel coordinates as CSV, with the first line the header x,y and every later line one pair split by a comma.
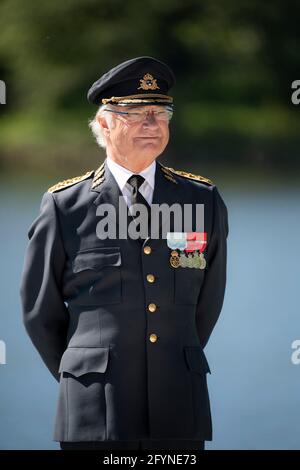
x,y
150,119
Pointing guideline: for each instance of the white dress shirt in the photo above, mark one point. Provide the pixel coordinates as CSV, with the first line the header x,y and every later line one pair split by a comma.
x,y
122,174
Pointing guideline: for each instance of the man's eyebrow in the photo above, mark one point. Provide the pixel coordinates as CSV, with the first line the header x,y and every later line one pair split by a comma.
x,y
144,108
135,107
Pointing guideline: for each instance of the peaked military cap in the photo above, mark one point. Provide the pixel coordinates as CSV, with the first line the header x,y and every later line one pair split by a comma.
x,y
143,80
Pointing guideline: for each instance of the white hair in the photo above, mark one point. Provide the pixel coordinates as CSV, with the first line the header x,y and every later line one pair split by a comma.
x,y
95,127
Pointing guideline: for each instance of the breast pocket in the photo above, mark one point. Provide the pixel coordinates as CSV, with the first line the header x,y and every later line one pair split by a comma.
x,y
187,285
97,274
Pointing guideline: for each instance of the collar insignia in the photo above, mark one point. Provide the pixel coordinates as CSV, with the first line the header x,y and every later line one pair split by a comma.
x,y
98,176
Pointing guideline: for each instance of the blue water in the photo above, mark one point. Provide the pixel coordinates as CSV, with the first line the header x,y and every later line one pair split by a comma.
x,y
254,387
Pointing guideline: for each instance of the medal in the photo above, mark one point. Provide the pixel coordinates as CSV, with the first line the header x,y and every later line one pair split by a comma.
x,y
190,260
174,259
202,261
196,260
196,244
190,246
183,260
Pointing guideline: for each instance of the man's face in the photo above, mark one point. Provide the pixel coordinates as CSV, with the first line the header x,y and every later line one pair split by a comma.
x,y
143,139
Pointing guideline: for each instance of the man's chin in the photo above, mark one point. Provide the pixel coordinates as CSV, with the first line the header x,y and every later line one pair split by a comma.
x,y
148,152
147,147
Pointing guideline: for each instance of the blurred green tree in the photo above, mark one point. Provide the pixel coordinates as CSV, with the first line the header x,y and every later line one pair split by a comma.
x,y
234,64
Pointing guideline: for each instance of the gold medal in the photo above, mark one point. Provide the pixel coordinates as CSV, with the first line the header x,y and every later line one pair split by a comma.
x,y
174,259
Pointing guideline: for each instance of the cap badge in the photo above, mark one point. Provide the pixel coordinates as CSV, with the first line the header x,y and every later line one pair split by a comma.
x,y
148,82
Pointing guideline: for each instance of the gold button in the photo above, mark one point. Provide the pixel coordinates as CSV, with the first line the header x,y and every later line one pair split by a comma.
x,y
153,338
147,250
150,278
152,307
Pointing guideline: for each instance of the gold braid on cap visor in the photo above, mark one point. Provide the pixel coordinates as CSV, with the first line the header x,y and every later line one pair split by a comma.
x,y
141,98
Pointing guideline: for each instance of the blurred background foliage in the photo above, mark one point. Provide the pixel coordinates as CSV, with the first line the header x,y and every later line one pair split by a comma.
x,y
234,62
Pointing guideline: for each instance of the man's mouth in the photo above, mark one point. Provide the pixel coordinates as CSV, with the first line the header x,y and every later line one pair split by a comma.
x,y
148,137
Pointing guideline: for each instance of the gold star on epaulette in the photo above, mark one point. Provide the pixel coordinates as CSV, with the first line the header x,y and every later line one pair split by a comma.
x,y
69,182
191,176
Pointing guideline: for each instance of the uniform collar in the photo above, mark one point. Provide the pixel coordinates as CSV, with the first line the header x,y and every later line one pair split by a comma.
x,y
166,188
122,174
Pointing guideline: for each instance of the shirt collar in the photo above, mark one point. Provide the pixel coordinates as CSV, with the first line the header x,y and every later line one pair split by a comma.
x,y
122,174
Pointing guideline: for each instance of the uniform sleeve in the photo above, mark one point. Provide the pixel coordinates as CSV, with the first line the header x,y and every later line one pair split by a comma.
x,y
211,296
45,314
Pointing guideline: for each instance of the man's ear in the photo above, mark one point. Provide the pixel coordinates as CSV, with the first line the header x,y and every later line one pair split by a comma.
x,y
103,124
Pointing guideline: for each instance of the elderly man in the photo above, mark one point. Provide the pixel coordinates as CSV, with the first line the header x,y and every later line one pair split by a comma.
x,y
121,321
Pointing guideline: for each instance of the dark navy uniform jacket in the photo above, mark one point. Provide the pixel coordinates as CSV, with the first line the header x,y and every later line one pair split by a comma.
x,y
86,306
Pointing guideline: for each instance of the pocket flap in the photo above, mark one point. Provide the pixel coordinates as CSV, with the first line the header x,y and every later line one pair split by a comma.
x,y
196,359
79,361
97,258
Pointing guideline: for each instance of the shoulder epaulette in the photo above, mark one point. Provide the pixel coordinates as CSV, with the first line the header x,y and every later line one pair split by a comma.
x,y
69,182
191,176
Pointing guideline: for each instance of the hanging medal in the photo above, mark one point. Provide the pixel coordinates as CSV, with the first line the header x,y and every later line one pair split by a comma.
x,y
196,260
183,260
175,241
190,260
196,244
202,261
174,259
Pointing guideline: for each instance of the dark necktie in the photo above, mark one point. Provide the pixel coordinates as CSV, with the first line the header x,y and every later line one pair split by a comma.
x,y
137,198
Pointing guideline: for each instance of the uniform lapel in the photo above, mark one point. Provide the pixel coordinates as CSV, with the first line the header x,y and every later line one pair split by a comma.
x,y
166,191
105,184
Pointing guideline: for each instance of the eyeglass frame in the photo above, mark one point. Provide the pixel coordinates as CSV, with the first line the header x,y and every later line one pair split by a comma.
x,y
168,108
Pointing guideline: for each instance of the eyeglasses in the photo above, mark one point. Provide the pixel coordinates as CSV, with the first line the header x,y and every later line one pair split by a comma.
x,y
164,114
